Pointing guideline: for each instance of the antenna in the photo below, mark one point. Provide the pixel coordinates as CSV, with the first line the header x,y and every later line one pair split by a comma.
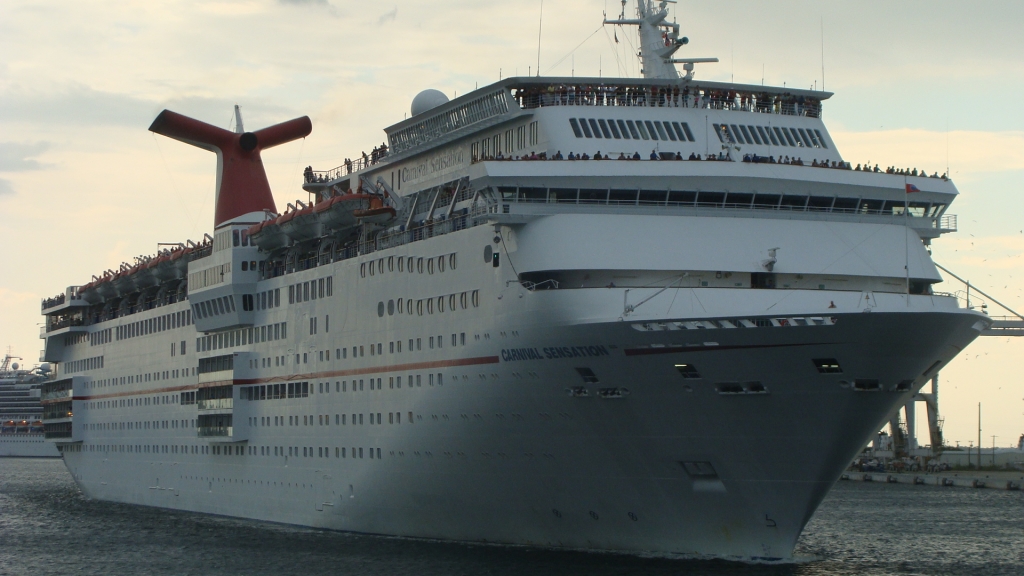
x,y
822,53
540,28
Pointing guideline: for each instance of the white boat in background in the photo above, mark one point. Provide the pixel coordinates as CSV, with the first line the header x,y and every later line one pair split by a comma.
x,y
674,346
21,413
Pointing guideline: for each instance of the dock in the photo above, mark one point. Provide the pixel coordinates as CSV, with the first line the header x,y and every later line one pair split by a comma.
x,y
950,479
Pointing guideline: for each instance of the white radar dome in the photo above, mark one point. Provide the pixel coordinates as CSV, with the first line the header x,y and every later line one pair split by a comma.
x,y
15,366
426,100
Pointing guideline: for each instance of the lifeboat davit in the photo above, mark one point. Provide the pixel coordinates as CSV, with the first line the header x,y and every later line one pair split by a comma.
x,y
377,213
338,213
268,235
301,224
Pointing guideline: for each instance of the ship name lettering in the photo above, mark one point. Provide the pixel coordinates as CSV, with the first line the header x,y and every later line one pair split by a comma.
x,y
516,354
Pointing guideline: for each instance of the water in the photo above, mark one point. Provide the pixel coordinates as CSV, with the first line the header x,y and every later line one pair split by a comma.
x,y
47,527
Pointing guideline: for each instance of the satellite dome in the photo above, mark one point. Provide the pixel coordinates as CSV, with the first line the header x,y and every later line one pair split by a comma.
x,y
426,100
44,367
14,366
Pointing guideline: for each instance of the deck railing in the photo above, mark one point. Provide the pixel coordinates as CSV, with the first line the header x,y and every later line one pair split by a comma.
x,y
643,95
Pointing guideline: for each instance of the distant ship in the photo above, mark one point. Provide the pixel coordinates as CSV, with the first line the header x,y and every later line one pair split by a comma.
x,y
21,413
673,342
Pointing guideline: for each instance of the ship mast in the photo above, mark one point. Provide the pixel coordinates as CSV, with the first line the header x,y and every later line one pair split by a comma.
x,y
659,41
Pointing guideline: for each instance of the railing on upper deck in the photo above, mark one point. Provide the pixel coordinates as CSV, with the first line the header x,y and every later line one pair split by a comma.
x,y
919,215
310,176
646,95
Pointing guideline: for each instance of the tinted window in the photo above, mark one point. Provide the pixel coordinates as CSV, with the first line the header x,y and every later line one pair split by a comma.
x,y
586,128
622,128
604,128
593,126
689,135
575,127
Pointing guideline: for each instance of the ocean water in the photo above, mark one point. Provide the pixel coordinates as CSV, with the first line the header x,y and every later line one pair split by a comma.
x,y
48,527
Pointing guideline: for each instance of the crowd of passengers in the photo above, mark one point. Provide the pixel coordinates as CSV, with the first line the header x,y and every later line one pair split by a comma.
x,y
347,167
721,156
667,96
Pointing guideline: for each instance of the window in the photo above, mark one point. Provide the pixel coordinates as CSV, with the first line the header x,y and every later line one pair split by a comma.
x,y
753,134
588,375
604,128
622,129
827,365
575,127
594,128
633,131
688,371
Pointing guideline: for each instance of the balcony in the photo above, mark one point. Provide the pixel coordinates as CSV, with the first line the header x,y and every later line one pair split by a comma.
x,y
216,431
216,404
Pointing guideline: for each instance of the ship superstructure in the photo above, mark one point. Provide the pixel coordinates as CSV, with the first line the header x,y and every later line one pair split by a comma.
x,y
468,335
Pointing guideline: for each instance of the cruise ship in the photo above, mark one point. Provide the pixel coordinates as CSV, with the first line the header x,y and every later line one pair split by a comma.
x,y
21,425
653,314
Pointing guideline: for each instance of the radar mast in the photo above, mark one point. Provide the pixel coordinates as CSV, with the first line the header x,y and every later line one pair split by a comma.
x,y
659,41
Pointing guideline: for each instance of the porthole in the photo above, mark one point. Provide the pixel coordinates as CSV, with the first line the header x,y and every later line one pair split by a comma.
x,y
430,266
430,306
362,270
488,251
440,263
440,304
462,300
451,261
419,265
391,307
408,306
380,309
419,307
391,263
476,298
371,267
451,302
401,264
400,301
380,265
409,264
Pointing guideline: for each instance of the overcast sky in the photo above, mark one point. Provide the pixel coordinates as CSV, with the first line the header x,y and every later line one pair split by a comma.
x,y
84,186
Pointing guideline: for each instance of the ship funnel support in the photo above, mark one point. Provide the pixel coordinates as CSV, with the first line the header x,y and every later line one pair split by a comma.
x,y
242,185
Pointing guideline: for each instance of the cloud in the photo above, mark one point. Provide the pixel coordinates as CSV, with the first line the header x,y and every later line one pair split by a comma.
x,y
75,104
6,189
305,2
17,157
388,17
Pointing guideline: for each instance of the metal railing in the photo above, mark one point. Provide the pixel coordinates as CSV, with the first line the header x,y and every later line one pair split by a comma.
x,y
644,95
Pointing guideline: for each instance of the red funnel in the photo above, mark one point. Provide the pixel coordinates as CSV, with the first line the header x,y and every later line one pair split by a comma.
x,y
242,185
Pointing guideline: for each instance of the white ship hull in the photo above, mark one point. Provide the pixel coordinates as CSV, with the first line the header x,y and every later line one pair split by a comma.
x,y
27,446
509,448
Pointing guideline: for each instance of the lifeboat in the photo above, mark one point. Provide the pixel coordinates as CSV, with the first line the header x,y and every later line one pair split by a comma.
x,y
145,274
302,224
163,269
338,213
268,235
178,262
122,281
104,287
377,213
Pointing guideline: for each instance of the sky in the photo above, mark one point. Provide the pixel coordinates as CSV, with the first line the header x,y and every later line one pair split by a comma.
x,y
84,186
